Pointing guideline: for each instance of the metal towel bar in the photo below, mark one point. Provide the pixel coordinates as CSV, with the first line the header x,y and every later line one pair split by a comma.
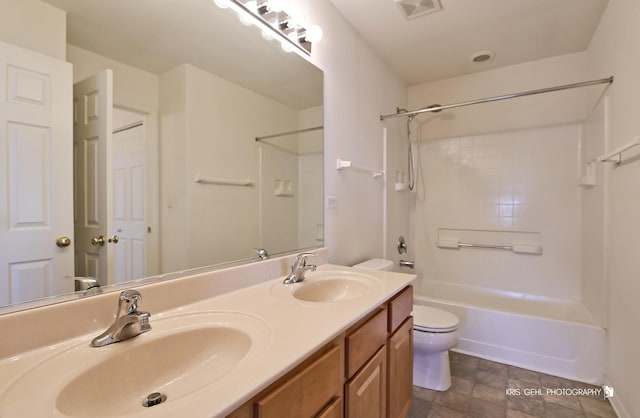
x,y
516,248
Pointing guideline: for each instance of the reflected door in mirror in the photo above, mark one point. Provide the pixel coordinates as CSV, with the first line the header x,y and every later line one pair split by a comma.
x,y
35,180
93,112
129,239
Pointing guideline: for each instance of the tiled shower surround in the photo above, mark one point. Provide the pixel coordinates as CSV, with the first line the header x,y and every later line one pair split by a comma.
x,y
514,187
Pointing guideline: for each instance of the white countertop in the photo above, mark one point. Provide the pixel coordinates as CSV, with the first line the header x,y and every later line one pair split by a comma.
x,y
296,330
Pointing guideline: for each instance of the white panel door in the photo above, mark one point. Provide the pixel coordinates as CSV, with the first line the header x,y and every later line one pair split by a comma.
x,y
92,135
36,175
130,191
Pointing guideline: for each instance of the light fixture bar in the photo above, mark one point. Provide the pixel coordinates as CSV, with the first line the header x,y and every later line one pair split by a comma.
x,y
298,42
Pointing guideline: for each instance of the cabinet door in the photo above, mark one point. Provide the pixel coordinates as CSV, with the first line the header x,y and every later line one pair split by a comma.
x,y
365,394
305,394
400,383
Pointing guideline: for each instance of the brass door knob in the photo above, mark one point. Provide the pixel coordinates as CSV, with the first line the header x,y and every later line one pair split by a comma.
x,y
98,241
63,241
114,239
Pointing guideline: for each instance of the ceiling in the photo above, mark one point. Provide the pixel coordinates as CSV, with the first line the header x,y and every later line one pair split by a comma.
x,y
440,45
159,35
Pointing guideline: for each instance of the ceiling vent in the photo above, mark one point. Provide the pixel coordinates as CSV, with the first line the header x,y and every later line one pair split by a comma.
x,y
415,8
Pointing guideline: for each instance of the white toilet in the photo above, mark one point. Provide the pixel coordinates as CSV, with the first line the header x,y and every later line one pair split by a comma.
x,y
375,264
435,332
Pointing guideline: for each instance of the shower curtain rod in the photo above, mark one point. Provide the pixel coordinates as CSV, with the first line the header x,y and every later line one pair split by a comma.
x,y
298,131
608,80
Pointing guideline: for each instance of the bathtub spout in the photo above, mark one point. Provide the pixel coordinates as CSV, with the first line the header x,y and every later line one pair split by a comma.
x,y
406,263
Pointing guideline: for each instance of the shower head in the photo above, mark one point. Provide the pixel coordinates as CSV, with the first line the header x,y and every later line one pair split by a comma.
x,y
413,115
433,106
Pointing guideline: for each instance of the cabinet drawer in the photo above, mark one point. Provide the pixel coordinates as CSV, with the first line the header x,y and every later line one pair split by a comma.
x,y
362,343
400,308
307,392
333,410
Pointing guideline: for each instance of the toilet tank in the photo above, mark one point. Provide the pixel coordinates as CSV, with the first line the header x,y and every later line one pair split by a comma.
x,y
375,264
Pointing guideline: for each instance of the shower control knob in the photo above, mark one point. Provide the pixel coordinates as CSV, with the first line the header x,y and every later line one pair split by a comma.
x,y
402,245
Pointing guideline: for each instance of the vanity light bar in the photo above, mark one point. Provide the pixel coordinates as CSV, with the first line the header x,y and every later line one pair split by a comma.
x,y
292,31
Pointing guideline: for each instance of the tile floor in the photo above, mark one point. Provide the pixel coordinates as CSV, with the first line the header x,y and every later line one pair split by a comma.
x,y
486,389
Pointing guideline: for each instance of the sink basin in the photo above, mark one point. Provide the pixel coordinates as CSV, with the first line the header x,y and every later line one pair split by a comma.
x,y
330,290
329,286
179,356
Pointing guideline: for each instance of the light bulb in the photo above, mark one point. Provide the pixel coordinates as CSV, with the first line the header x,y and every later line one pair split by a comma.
x,y
244,18
267,34
286,46
223,4
314,33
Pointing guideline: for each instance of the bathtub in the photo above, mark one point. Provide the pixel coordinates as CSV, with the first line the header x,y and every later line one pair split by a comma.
x,y
553,336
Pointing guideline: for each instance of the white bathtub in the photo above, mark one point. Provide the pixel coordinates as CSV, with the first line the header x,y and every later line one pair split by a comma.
x,y
553,336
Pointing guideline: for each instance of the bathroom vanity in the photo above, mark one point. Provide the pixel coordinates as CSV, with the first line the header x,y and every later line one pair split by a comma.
x,y
365,372
228,344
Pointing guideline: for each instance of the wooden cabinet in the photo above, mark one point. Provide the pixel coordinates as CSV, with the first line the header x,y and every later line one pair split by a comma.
x,y
308,392
365,340
367,372
372,392
400,307
313,389
333,410
400,367
365,393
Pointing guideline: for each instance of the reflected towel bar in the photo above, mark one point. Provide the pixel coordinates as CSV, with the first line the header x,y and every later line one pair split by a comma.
x,y
223,181
297,131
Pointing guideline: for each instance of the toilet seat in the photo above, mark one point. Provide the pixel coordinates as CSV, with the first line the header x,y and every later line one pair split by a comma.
x,y
428,319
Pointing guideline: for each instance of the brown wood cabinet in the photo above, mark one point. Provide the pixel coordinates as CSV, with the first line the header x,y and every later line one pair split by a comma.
x,y
400,388
365,394
363,342
308,392
365,373
314,388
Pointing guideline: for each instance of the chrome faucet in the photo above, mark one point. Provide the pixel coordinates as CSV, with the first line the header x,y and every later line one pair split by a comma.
x,y
261,253
299,268
129,322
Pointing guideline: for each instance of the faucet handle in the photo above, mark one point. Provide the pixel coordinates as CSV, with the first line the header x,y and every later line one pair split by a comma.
x,y
301,260
128,301
303,256
261,253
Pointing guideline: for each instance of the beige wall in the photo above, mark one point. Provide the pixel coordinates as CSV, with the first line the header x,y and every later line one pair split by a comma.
x,y
199,114
34,25
132,87
615,50
519,113
358,87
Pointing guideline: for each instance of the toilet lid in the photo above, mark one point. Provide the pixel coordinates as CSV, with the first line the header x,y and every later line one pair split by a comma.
x,y
426,318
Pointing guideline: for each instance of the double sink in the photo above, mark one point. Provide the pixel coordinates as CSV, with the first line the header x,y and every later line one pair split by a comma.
x,y
184,354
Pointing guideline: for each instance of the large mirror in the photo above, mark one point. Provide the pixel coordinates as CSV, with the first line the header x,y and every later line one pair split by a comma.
x,y
196,141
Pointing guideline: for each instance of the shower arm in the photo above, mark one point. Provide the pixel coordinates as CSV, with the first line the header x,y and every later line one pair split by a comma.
x,y
607,80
